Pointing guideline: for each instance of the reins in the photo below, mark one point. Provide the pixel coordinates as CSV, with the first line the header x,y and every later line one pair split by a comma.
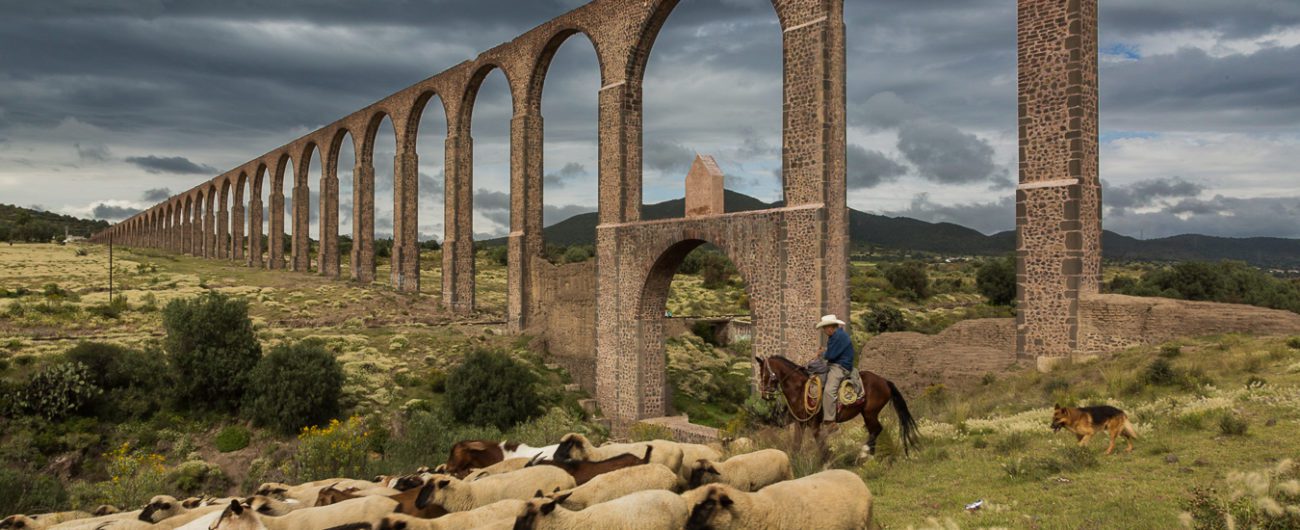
x,y
781,379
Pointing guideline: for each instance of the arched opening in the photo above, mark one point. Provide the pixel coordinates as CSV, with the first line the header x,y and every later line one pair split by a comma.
x,y
223,220
238,218
571,80
705,350
490,106
705,94
383,147
430,122
210,205
346,160
312,172
281,234
262,188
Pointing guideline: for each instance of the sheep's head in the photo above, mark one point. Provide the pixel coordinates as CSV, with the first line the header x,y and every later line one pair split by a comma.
x,y
435,491
573,447
715,510
535,509
273,489
267,506
18,521
105,509
192,503
408,482
331,495
237,517
161,507
702,472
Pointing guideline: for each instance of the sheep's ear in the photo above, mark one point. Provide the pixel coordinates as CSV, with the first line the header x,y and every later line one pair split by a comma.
x,y
549,507
725,501
443,483
563,496
538,494
236,508
422,498
708,468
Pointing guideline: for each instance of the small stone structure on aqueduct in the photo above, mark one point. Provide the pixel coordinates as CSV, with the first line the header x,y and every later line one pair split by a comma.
x,y
794,258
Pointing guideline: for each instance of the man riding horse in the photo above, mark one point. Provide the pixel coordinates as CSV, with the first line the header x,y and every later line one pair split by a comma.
x,y
839,356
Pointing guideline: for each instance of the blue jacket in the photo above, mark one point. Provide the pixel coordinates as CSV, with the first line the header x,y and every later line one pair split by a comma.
x,y
839,350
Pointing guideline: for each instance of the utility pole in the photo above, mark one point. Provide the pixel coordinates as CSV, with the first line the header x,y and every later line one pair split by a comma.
x,y
110,269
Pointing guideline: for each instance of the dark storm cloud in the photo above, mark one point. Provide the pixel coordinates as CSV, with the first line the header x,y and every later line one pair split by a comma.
x,y
1220,216
105,211
944,154
1146,192
1237,19
668,157
570,171
430,186
495,207
170,164
91,153
156,194
868,168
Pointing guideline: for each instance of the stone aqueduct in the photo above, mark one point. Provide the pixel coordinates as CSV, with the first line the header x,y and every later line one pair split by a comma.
x,y
793,258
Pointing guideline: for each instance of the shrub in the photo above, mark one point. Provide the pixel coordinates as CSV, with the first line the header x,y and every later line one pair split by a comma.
x,y
1232,282
1232,424
196,477
715,270
212,346
549,428
500,255
232,438
885,319
1015,442
491,388
295,385
57,391
80,252
576,254
438,381
133,477
1293,343
644,432
1159,372
134,381
426,440
1171,351
22,492
996,280
910,279
340,449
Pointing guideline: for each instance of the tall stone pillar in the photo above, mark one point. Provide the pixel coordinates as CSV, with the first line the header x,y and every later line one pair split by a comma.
x,y
275,231
255,229
196,230
1058,201
223,233
458,245
301,244
329,219
363,218
525,240
237,231
406,234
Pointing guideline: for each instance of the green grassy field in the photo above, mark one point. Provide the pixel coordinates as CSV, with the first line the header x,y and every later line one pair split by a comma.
x,y
988,440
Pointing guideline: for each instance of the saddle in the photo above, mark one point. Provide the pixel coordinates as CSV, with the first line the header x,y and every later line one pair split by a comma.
x,y
849,393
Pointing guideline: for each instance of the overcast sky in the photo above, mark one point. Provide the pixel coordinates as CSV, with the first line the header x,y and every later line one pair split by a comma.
x,y
109,105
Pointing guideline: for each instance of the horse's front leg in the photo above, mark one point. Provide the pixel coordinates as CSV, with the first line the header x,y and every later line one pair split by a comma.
x,y
798,435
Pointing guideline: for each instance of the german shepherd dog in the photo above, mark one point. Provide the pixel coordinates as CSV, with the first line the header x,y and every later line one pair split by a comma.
x,y
1086,421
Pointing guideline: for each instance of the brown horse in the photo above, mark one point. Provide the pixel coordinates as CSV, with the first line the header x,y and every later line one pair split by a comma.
x,y
788,376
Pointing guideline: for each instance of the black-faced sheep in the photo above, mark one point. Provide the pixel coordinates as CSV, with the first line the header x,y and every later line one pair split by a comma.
x,y
456,495
747,472
643,510
615,484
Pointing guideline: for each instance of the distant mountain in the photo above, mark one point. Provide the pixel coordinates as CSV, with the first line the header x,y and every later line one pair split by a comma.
x,y
25,224
903,233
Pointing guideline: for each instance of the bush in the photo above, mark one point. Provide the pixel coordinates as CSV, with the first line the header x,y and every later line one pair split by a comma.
x,y
196,477
715,270
340,449
134,381
1015,442
57,391
644,432
499,255
1293,343
576,254
22,492
1171,351
548,429
213,348
293,386
232,438
426,440
884,320
1228,281
1160,372
910,279
133,477
491,388
1231,424
996,280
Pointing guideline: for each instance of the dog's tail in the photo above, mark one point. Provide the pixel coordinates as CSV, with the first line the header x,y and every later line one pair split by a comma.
x,y
1129,431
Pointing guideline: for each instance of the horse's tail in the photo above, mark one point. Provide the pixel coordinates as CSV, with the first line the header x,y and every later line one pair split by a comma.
x,y
908,431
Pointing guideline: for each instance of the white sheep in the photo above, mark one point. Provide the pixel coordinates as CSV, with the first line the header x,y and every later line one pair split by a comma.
x,y
162,507
42,521
356,513
499,468
690,454
456,495
747,472
615,484
830,500
189,519
498,511
575,446
272,507
511,450
643,510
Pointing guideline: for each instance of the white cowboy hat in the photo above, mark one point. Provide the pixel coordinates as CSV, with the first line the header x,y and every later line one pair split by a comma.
x,y
829,320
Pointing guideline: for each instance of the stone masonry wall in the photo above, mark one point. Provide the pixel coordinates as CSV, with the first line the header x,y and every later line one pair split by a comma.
x,y
564,317
1112,322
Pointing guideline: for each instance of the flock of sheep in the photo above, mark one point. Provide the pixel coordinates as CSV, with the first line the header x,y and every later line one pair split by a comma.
x,y
573,485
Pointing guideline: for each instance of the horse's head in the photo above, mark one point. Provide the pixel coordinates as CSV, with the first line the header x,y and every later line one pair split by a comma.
x,y
769,381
